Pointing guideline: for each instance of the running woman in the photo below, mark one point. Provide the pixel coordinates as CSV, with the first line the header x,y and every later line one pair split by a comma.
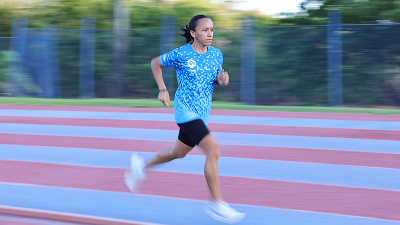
x,y
198,69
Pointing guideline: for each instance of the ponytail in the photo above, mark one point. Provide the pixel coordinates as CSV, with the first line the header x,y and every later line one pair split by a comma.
x,y
186,34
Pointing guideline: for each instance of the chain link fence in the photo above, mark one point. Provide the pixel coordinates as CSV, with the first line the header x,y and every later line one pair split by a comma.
x,y
290,64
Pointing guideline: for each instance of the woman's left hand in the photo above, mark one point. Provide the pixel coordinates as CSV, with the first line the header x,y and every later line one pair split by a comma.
x,y
223,78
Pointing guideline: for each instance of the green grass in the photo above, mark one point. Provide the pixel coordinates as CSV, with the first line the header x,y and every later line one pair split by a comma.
x,y
154,103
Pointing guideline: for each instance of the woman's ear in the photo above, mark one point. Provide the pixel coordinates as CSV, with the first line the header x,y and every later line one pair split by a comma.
x,y
192,33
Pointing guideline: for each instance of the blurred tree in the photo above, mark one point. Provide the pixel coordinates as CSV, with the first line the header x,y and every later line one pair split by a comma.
x,y
371,54
291,60
6,14
353,11
66,14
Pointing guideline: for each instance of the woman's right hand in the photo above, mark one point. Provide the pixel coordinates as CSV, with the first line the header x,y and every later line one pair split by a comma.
x,y
163,96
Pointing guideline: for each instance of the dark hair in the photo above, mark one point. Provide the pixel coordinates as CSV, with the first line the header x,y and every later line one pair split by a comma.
x,y
192,26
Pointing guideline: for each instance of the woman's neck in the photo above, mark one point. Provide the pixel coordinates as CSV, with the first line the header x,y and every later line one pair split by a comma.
x,y
199,48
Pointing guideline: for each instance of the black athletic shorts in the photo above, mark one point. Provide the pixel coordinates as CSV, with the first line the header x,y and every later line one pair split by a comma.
x,y
192,132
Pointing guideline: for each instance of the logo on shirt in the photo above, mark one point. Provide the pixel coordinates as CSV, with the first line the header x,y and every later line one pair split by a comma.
x,y
191,63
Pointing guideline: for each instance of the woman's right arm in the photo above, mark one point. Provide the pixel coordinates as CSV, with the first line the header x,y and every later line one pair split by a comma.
x,y
156,68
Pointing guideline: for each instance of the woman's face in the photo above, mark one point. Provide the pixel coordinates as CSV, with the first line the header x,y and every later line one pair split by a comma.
x,y
204,31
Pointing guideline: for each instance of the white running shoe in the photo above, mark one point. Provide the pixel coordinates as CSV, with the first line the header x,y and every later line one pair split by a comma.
x,y
221,211
136,174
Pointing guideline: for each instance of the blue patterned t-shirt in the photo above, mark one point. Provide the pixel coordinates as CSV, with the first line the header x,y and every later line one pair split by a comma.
x,y
195,74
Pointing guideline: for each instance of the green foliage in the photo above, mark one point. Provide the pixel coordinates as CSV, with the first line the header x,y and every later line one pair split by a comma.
x,y
291,63
144,14
3,66
66,14
370,53
68,47
6,15
26,83
290,60
371,58
354,12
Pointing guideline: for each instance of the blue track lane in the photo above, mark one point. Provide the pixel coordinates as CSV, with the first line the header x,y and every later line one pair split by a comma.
x,y
213,119
315,173
31,221
154,209
174,211
346,144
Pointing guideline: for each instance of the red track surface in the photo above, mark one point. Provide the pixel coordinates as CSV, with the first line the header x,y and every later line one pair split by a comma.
x,y
214,127
362,202
384,160
258,192
6,222
303,115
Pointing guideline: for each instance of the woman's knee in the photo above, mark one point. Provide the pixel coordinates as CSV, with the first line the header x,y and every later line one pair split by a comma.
x,y
180,155
214,153
210,146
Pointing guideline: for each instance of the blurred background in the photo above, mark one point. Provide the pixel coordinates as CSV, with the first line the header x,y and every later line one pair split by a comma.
x,y
318,53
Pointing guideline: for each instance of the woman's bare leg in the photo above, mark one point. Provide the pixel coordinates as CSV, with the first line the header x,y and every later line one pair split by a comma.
x,y
179,150
210,147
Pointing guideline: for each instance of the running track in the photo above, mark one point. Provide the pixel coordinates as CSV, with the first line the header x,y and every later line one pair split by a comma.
x,y
280,168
